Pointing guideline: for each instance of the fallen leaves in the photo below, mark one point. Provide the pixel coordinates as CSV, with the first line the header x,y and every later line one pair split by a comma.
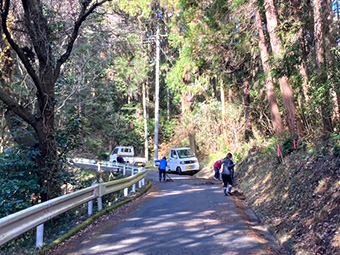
x,y
301,202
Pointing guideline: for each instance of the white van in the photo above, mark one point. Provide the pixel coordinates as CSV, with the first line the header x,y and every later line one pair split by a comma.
x,y
182,160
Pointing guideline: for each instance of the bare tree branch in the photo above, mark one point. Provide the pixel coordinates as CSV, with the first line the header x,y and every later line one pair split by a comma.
x,y
84,13
16,108
16,48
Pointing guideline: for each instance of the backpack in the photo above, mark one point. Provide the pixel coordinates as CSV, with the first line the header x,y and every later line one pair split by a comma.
x,y
226,170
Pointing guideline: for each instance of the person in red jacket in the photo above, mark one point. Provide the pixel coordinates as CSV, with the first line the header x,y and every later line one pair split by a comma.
x,y
217,168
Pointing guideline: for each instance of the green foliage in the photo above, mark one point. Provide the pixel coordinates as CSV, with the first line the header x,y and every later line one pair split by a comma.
x,y
103,154
175,39
288,64
82,178
336,150
184,65
336,147
287,146
19,180
167,128
69,138
238,3
269,151
135,7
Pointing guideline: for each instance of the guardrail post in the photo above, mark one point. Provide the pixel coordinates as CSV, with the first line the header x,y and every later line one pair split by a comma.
x,y
139,182
132,174
100,204
40,236
99,199
143,180
90,208
100,171
90,203
124,170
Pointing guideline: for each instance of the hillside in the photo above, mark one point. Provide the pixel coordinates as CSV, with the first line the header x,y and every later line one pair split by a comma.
x,y
299,198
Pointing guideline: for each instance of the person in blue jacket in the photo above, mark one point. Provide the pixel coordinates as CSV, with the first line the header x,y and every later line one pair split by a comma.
x,y
162,167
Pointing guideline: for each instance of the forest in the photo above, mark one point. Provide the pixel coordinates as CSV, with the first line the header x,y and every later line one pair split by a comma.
x,y
78,78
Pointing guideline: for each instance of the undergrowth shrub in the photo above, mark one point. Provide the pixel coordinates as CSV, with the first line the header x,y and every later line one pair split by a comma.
x,y
287,146
336,146
336,150
18,181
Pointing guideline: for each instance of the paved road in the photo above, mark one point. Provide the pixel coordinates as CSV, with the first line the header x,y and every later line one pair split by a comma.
x,y
184,217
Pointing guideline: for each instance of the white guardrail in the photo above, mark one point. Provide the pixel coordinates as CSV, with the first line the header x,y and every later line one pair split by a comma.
x,y
20,222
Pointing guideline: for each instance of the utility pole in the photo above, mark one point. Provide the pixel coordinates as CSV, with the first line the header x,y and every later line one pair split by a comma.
x,y
157,91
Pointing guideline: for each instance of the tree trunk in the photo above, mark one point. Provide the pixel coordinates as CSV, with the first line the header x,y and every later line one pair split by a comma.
x,y
293,120
168,104
248,133
320,64
39,31
45,129
213,82
330,43
157,94
192,140
145,114
304,74
300,14
50,179
272,101
336,106
188,120
338,14
2,130
230,96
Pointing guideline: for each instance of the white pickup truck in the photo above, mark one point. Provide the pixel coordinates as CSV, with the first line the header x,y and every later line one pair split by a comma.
x,y
128,154
182,160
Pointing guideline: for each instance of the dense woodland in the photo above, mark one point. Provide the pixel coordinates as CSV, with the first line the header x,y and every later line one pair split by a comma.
x,y
80,77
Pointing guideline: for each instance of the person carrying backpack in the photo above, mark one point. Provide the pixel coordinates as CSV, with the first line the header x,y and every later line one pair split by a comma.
x,y
228,174
217,168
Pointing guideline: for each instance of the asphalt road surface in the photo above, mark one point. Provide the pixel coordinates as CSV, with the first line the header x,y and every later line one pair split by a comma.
x,y
185,217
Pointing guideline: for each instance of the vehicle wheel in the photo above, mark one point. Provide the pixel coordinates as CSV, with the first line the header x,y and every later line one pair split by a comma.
x,y
179,170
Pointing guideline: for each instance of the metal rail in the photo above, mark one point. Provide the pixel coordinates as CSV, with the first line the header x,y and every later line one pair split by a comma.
x,y
20,222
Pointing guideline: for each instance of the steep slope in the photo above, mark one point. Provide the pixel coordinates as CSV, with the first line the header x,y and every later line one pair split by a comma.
x,y
299,197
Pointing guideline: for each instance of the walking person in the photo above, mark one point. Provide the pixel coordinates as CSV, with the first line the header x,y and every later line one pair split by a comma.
x,y
162,167
120,160
228,174
217,168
